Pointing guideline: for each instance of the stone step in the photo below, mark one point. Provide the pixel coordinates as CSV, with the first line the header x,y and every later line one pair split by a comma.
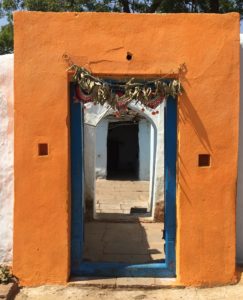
x,y
124,192
125,203
137,205
102,184
118,191
115,191
122,209
122,196
123,181
112,211
108,206
122,201
121,205
118,197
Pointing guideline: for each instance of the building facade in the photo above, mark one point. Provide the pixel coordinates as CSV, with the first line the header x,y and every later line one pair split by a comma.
x,y
207,125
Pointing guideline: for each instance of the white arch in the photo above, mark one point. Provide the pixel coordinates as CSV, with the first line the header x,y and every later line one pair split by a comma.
x,y
95,113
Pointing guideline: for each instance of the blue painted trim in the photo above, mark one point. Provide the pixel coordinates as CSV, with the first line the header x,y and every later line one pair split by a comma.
x,y
80,268
76,135
170,181
123,270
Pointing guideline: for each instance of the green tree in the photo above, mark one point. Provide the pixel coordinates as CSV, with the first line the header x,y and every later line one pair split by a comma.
x,y
6,39
127,6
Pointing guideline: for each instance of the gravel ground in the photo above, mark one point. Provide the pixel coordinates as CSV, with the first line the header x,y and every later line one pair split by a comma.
x,y
93,293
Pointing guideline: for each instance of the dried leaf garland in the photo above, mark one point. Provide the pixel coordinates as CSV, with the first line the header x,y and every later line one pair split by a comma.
x,y
117,95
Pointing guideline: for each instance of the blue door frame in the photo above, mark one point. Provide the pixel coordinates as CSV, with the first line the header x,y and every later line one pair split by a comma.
x,y
165,268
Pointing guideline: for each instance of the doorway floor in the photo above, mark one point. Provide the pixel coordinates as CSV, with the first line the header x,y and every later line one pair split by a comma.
x,y
123,242
120,196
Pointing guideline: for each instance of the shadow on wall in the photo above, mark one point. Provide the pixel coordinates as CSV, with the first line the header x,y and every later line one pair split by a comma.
x,y
239,210
189,115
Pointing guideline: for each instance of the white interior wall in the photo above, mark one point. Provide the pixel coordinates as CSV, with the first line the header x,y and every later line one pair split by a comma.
x,y
101,148
144,149
239,208
159,156
6,158
92,115
152,164
89,161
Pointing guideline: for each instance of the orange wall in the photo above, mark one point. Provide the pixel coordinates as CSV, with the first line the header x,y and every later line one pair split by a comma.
x,y
207,123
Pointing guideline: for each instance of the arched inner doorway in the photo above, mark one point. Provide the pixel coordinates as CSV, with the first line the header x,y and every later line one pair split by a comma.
x,y
124,158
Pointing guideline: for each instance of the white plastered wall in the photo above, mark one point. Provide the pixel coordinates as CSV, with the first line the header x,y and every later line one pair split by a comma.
x,y
6,158
144,149
101,148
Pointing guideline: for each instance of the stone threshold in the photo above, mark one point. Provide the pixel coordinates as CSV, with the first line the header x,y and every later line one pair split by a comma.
x,y
124,282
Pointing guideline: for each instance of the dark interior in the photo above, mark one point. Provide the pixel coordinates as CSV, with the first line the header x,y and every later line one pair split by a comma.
x,y
122,151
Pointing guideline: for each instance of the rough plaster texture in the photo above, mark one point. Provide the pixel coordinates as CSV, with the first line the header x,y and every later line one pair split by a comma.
x,y
205,245
239,209
6,158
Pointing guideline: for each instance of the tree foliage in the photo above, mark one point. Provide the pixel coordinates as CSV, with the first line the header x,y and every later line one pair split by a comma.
x,y
127,6
6,39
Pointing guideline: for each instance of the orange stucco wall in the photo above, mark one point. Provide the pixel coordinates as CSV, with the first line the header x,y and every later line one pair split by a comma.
x,y
207,123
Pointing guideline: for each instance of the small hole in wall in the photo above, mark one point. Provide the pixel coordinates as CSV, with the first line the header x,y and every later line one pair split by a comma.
x,y
204,160
42,149
129,56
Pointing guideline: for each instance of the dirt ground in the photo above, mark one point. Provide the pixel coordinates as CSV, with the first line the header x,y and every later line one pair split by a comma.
x,y
93,293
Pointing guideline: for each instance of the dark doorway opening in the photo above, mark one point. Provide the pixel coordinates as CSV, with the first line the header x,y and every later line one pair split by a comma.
x,y
122,151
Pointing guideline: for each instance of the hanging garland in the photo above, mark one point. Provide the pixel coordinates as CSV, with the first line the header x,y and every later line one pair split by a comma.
x,y
118,95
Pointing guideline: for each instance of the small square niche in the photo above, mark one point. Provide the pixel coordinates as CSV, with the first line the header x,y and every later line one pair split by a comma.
x,y
204,160
43,149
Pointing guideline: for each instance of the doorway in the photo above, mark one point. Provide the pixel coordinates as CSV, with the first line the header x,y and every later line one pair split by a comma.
x,y
122,151
163,267
123,168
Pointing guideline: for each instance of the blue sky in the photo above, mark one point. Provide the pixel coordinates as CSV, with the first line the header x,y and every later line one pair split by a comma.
x,y
4,21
